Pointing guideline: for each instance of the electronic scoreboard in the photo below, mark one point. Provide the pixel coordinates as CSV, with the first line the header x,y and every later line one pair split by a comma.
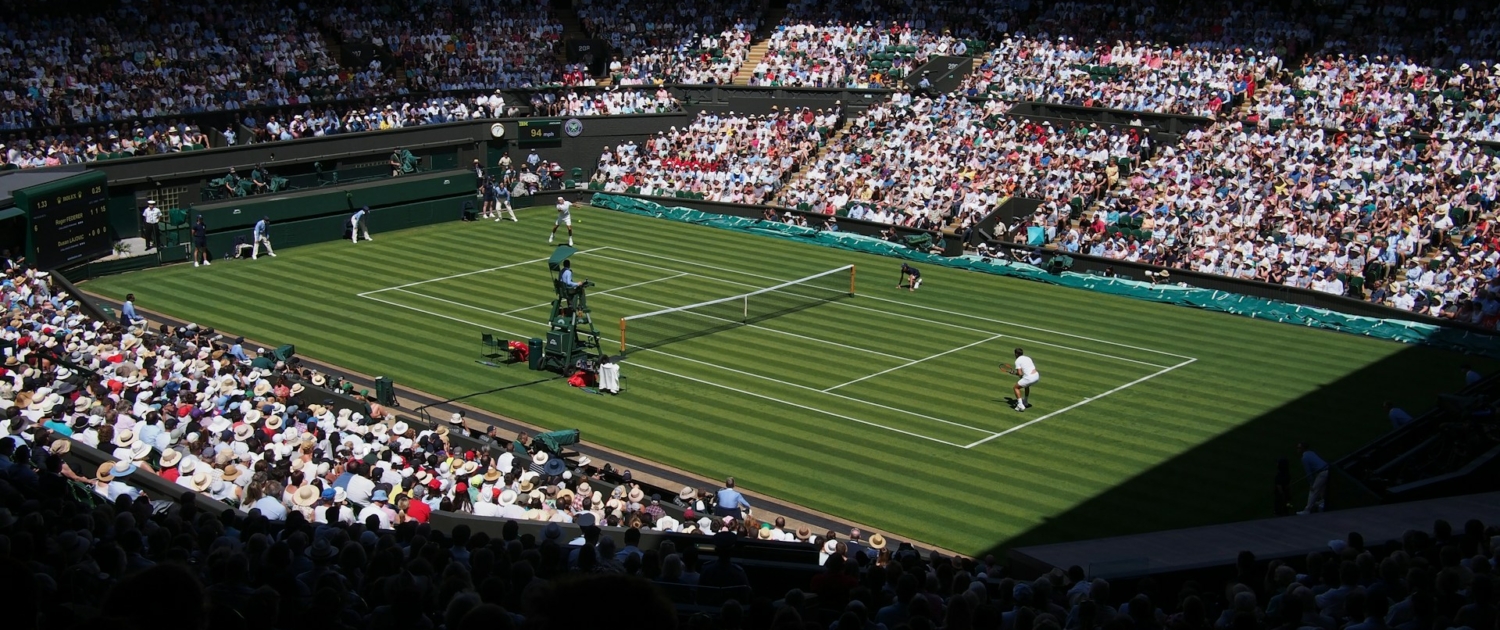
x,y
539,132
68,220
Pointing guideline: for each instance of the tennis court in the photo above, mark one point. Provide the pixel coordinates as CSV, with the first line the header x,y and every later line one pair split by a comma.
x,y
845,357
885,408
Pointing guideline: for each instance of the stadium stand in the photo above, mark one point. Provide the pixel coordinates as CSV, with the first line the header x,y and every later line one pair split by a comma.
x,y
1365,169
735,158
667,42
1121,76
445,45
603,103
980,158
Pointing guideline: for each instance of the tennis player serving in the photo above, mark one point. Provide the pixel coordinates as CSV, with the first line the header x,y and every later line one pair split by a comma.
x,y
1026,370
564,218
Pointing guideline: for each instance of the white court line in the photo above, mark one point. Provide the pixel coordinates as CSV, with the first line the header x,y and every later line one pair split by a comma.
x,y
716,365
469,273
604,292
799,406
916,318
1079,403
889,370
780,332
929,308
647,367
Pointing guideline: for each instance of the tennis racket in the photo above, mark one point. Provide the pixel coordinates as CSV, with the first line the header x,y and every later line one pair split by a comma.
x,y
1008,369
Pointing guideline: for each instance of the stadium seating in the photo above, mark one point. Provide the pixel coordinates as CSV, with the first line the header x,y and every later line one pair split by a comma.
x,y
733,157
1401,91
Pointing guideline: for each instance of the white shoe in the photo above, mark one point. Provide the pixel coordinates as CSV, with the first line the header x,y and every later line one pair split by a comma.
x,y
205,264
1020,406
549,239
497,219
512,220
570,242
254,258
197,264
273,255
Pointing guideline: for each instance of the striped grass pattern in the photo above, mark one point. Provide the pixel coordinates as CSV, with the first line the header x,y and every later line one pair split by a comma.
x,y
886,408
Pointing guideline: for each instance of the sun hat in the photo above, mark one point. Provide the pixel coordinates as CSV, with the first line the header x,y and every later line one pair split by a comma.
x,y
170,458
555,467
492,475
61,446
877,542
379,495
636,496
273,423
456,418
243,432
541,458
322,549
306,496
201,480
400,428
231,472
104,472
508,497
125,438
140,450
122,468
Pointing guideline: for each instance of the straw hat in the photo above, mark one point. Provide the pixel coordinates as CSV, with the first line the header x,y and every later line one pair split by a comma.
x,y
877,542
104,472
61,446
201,481
231,472
170,458
125,438
306,496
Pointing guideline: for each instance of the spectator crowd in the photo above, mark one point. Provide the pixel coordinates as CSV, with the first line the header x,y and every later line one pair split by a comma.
x,y
736,158
657,42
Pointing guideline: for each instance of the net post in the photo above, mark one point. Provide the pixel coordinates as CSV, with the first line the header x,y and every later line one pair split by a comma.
x,y
622,335
851,279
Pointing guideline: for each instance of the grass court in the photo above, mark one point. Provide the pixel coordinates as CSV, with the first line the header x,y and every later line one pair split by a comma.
x,y
885,408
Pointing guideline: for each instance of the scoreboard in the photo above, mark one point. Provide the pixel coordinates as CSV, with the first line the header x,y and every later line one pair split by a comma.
x,y
68,219
539,132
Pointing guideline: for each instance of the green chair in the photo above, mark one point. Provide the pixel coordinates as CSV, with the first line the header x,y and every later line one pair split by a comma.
x,y
577,172
569,184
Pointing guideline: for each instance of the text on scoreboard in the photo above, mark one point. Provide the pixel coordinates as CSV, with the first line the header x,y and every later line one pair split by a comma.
x,y
69,220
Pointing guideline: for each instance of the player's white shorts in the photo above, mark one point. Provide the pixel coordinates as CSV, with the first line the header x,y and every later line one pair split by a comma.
x,y
566,219
1027,381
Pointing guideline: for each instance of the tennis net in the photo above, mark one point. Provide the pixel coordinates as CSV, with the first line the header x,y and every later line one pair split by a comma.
x,y
670,325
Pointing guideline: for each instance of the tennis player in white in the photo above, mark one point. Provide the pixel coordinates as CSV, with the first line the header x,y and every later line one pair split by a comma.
x,y
564,217
1026,370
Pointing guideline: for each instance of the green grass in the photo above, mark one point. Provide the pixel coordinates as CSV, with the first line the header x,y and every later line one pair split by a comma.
x,y
1198,406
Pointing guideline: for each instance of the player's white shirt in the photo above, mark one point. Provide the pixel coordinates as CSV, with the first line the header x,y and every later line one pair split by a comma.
x,y
565,212
1025,367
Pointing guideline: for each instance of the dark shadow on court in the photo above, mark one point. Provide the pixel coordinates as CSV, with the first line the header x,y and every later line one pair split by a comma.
x,y
1231,477
489,391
